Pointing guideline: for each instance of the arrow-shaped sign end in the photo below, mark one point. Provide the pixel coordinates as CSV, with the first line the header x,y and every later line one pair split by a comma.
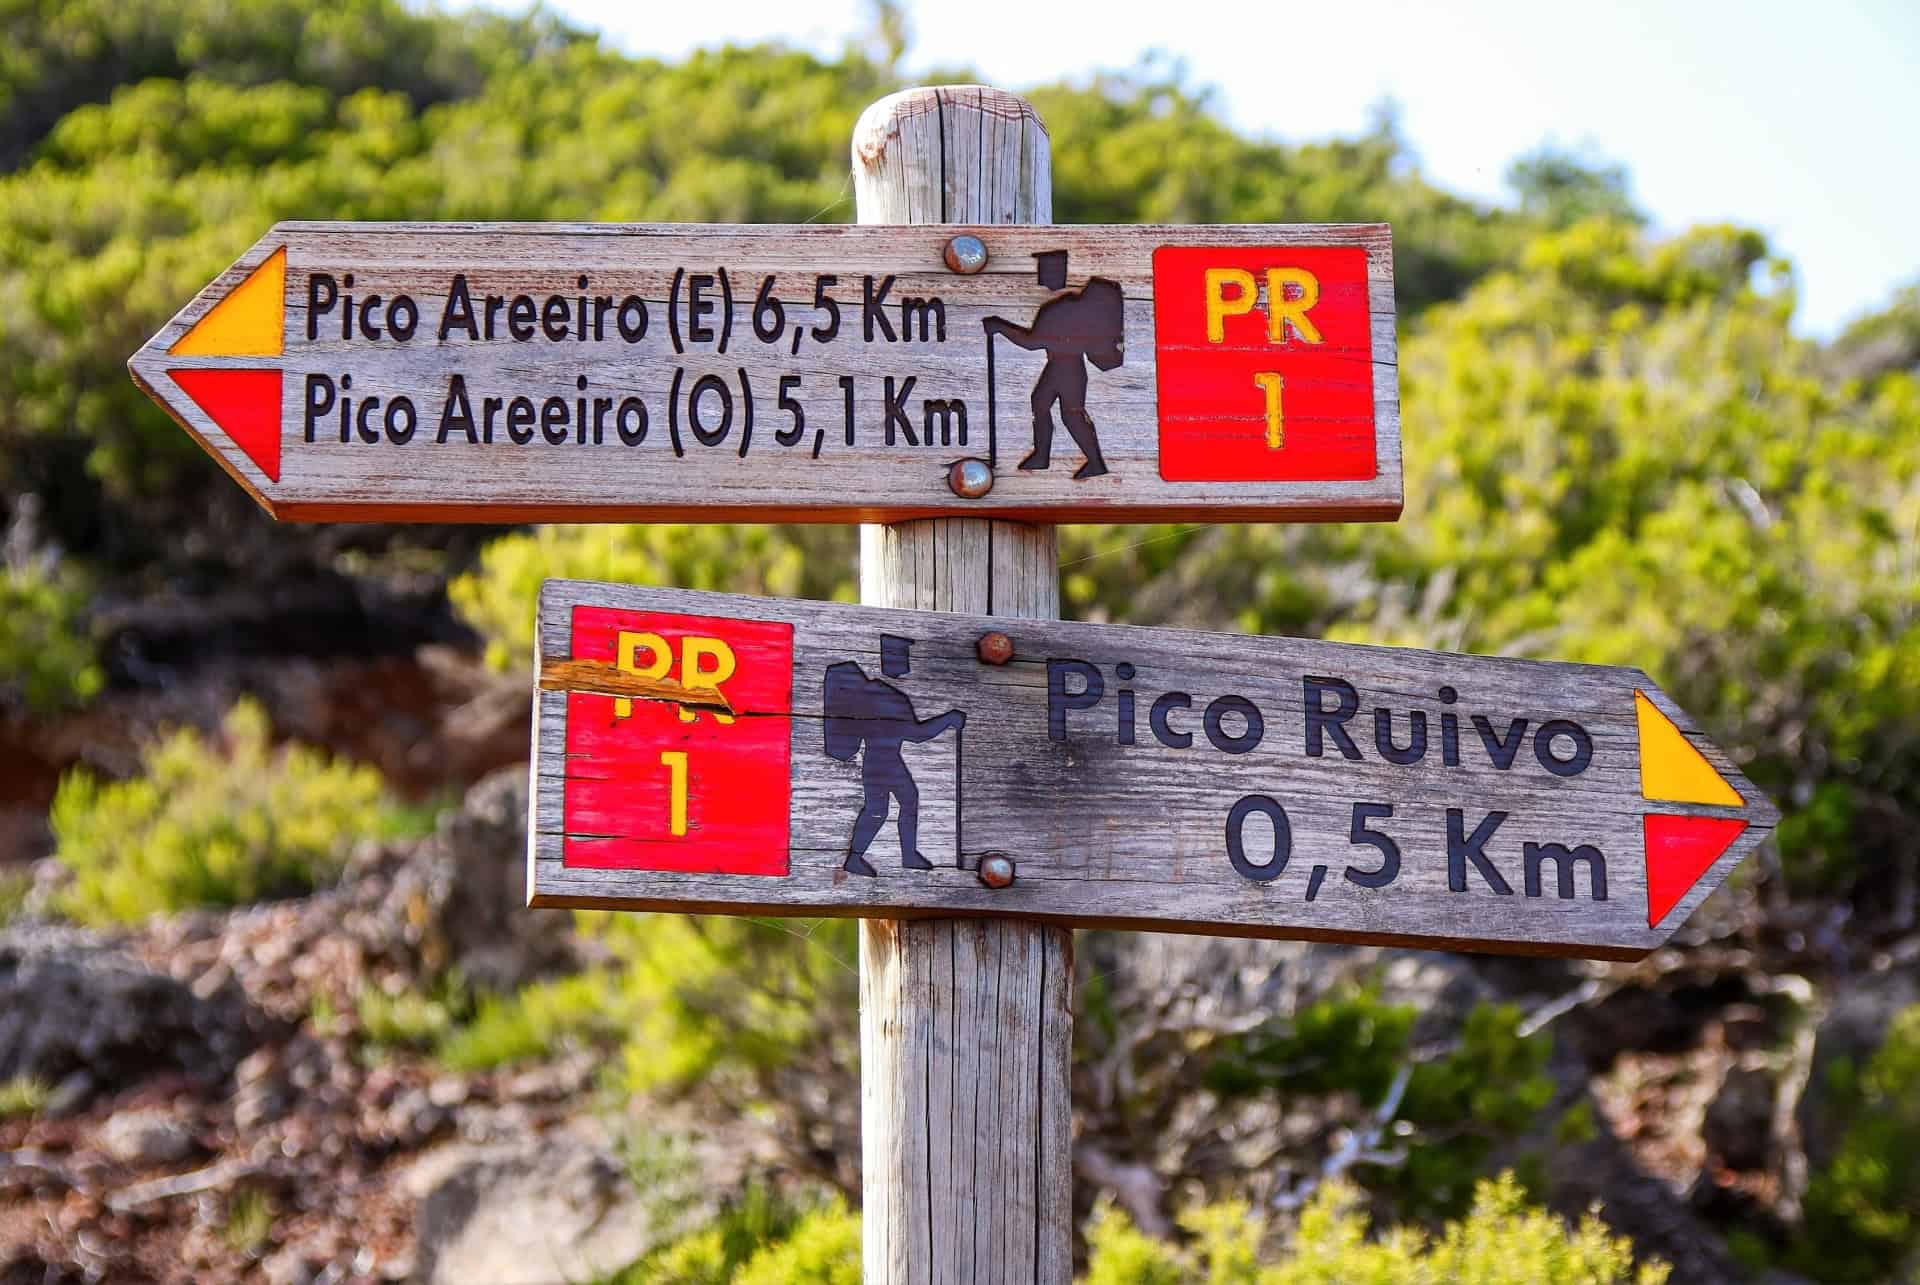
x,y
215,367
1683,847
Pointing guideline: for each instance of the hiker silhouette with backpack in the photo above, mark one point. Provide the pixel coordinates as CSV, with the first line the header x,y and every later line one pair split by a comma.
x,y
1074,327
861,709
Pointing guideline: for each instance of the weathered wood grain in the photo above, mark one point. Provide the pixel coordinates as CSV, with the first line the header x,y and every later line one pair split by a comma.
x,y
1135,835
966,1025
816,475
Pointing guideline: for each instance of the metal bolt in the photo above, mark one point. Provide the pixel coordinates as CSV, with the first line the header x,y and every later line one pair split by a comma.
x,y
966,254
995,648
996,870
970,478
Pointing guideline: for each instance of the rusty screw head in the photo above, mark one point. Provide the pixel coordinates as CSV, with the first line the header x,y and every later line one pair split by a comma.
x,y
970,478
966,254
996,870
995,647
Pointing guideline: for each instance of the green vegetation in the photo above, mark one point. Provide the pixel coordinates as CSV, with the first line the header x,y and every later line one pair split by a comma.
x,y
1500,1241
47,660
503,1030
725,1000
210,824
14,887
403,1020
467,1031
249,1225
690,999
760,1238
1490,1087
23,1095
1348,1041
1863,1210
1456,1107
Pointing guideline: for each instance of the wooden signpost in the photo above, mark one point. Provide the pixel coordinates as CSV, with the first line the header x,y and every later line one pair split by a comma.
x,y
751,755
576,372
969,775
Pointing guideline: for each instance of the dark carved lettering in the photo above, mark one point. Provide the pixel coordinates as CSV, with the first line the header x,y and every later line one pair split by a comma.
x,y
1416,737
1462,848
1582,747
1060,700
1275,865
1501,751
698,306
1331,722
1249,713
1564,859
1163,731
872,306
933,318
897,410
948,411
322,294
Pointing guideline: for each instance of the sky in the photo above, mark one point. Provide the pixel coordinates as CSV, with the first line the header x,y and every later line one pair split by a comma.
x,y
1800,119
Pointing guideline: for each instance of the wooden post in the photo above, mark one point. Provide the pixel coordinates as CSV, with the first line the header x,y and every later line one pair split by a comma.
x,y
966,1026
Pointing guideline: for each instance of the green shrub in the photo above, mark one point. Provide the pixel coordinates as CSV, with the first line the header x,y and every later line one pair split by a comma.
x,y
14,887
822,1249
210,823
1489,1088
23,1095
1347,1041
409,1019
1118,1253
1863,1209
760,1238
532,1022
717,998
250,1218
47,660
497,599
1501,1241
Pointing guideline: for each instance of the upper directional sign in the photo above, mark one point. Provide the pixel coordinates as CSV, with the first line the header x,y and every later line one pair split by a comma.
x,y
495,372
705,751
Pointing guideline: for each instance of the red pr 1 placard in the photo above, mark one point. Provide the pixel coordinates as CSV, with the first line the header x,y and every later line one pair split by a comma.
x,y
656,786
1265,360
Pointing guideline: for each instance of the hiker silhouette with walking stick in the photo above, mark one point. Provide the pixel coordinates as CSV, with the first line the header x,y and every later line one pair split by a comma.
x,y
862,710
1074,327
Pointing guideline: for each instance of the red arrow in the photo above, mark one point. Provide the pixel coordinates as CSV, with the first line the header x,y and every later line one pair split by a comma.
x,y
246,406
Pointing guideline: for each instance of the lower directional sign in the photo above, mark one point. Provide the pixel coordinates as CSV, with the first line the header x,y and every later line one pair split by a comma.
x,y
702,751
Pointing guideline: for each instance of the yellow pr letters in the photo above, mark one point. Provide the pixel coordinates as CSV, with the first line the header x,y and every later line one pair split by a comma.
x,y
1283,311
705,663
626,660
1219,307
696,675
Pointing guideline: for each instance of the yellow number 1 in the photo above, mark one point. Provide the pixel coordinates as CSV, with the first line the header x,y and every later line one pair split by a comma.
x,y
676,761
1270,381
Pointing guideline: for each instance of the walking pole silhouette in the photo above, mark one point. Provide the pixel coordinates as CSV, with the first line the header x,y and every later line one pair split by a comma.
x,y
959,779
993,427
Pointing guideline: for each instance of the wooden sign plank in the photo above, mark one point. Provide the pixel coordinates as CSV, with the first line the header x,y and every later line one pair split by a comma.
x,y
626,372
711,752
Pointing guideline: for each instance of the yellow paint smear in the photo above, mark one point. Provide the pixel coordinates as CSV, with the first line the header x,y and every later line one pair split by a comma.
x,y
1670,767
249,322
